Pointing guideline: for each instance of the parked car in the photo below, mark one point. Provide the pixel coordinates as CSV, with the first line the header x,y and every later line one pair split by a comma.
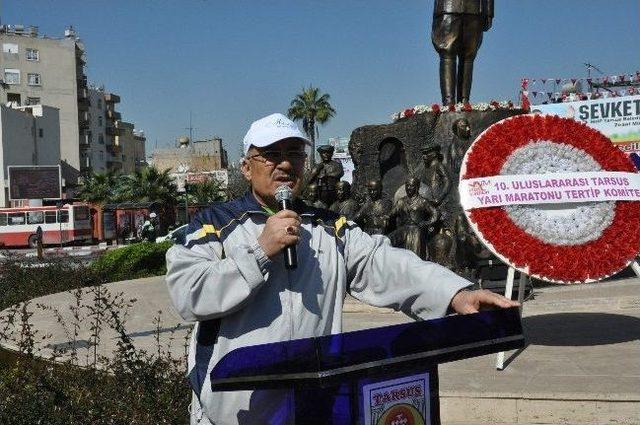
x,y
177,235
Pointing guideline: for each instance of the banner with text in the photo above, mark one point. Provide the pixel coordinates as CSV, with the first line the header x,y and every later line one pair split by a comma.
x,y
617,118
556,188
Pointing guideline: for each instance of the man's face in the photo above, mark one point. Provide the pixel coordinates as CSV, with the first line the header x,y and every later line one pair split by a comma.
x,y
326,155
342,192
463,130
375,191
267,168
411,187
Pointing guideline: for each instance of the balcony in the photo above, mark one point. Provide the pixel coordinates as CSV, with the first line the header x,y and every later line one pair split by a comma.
x,y
113,115
85,141
114,150
83,93
111,98
83,119
82,81
111,130
83,104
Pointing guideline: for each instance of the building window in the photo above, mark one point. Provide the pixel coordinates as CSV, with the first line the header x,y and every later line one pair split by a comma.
x,y
33,101
10,48
40,132
13,98
101,156
101,139
33,54
99,103
11,76
33,79
100,120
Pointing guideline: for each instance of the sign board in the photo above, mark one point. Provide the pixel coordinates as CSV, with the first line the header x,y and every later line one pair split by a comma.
x,y
35,182
618,118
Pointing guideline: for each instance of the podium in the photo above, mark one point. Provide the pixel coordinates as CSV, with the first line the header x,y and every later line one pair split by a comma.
x,y
380,376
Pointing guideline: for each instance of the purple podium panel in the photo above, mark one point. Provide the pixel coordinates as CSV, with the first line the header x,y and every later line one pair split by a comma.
x,y
374,376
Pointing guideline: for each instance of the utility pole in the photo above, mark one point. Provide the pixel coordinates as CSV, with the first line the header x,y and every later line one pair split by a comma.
x,y
190,128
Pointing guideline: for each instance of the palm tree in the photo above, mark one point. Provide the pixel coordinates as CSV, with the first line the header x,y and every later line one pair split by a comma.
x,y
149,185
312,108
206,192
99,188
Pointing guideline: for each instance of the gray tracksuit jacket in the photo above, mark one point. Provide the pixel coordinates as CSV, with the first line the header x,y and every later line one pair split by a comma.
x,y
222,280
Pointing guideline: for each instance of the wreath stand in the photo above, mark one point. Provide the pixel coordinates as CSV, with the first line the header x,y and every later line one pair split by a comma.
x,y
508,291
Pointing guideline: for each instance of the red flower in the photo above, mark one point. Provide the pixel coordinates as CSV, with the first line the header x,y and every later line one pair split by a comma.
x,y
467,107
617,246
409,112
451,108
435,108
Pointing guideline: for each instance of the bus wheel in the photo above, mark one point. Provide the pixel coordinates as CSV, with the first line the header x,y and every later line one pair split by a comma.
x,y
33,241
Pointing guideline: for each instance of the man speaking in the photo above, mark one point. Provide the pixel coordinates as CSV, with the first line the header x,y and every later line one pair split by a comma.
x,y
231,278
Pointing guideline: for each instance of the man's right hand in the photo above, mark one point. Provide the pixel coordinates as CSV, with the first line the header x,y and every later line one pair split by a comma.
x,y
281,230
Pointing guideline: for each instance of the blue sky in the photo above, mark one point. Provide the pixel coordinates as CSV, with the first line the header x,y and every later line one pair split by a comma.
x,y
230,62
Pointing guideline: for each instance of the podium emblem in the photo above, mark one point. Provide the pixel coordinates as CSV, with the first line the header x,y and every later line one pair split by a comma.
x,y
401,401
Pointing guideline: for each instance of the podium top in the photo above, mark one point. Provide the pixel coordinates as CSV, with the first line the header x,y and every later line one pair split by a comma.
x,y
334,358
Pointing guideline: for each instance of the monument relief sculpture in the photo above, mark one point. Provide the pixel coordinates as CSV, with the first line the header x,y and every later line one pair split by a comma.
x,y
313,197
456,34
413,216
344,204
459,144
373,217
437,181
326,174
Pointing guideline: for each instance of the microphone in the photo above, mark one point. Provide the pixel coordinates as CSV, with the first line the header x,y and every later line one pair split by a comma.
x,y
284,196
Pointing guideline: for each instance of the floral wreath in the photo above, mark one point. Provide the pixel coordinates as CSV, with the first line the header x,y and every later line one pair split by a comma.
x,y
457,107
593,240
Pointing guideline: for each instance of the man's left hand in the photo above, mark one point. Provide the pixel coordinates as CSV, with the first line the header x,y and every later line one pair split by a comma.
x,y
467,302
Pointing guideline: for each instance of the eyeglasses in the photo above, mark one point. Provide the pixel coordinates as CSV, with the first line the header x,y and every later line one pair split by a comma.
x,y
275,157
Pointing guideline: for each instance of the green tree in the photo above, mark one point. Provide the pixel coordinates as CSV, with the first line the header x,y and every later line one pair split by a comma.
x,y
206,192
312,108
99,188
149,185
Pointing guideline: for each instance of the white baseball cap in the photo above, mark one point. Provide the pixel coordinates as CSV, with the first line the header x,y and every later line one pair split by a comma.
x,y
271,129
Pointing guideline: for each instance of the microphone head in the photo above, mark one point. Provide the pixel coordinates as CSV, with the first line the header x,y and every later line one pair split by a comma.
x,y
283,192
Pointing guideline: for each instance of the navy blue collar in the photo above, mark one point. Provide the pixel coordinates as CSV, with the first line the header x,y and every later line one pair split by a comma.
x,y
249,204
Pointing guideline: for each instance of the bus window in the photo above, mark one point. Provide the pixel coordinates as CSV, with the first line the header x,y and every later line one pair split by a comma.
x,y
35,217
49,217
16,219
3,219
63,216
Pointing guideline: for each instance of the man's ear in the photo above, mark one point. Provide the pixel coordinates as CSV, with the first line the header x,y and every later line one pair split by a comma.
x,y
245,168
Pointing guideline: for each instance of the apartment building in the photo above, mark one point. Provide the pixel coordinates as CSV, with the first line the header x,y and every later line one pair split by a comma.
x,y
40,70
132,145
29,135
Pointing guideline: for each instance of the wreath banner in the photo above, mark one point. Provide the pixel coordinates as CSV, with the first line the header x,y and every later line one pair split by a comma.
x,y
565,241
529,189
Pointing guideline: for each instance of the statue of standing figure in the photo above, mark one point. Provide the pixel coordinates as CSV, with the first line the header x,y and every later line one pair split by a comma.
x,y
326,174
459,144
435,175
414,217
373,217
344,205
456,34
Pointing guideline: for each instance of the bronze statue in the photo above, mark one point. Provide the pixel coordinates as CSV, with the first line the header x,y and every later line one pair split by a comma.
x,y
313,198
459,144
326,174
414,217
441,247
373,217
456,34
344,204
435,176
